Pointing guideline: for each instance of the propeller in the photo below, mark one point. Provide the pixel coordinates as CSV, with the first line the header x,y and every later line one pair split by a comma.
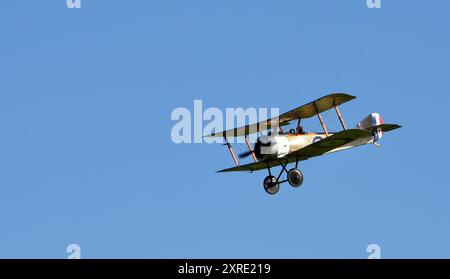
x,y
245,154
256,151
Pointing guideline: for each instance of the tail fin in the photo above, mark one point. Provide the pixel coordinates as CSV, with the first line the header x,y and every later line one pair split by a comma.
x,y
371,123
374,122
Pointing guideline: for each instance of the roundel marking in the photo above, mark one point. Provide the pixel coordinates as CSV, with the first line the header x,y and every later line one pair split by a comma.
x,y
316,139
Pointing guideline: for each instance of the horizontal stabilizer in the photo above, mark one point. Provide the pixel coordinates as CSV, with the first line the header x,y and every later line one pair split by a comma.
x,y
387,127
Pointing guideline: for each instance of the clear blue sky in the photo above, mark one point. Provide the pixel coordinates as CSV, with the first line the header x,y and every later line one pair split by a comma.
x,y
86,156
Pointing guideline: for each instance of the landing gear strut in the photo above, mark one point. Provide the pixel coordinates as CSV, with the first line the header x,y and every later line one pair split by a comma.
x,y
294,177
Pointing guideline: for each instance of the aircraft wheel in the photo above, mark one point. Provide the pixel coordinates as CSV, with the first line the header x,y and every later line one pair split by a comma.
x,y
270,185
295,178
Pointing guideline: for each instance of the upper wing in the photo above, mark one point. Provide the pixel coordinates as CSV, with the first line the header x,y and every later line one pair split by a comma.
x,y
306,111
316,149
322,104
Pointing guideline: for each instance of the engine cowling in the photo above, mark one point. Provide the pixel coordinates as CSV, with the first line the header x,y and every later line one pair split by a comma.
x,y
271,147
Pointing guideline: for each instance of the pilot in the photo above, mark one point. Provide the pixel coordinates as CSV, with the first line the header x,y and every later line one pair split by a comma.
x,y
300,130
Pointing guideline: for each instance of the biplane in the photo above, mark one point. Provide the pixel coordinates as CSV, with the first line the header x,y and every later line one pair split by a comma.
x,y
280,148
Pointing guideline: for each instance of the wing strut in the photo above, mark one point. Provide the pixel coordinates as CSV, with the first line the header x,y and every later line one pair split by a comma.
x,y
231,151
321,120
250,148
340,117
298,126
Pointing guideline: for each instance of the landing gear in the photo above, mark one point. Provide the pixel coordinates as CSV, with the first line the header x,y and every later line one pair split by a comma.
x,y
294,177
271,185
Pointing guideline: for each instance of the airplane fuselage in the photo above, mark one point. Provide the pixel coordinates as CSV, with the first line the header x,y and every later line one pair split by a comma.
x,y
279,146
